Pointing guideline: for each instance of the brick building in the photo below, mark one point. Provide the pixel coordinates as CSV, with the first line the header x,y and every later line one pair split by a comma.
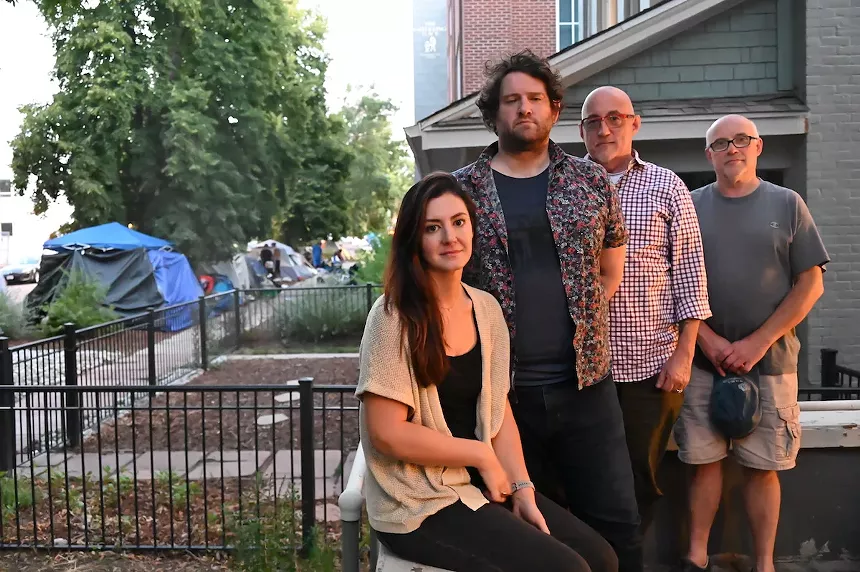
x,y
481,30
790,65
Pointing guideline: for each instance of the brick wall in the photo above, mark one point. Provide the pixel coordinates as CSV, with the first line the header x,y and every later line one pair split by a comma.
x,y
833,172
495,28
732,54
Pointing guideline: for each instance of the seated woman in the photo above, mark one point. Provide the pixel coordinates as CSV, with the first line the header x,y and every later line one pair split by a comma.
x,y
438,433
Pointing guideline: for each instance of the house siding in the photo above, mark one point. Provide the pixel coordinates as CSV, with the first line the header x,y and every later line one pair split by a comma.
x,y
732,54
833,171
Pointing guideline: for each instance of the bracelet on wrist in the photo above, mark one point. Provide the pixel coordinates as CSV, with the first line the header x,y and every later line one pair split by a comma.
x,y
520,485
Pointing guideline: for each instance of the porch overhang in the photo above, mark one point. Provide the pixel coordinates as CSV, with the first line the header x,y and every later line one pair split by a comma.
x,y
447,145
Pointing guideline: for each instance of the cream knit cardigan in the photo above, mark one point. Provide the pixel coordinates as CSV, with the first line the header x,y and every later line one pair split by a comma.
x,y
401,495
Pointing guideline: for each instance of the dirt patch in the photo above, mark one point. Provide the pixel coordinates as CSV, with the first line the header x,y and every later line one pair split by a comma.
x,y
230,419
168,512
110,562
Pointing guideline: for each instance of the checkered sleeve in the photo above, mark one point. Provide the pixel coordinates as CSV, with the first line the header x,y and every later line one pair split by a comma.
x,y
689,281
616,231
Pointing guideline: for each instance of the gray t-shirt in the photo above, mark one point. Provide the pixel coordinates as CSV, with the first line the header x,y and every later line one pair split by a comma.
x,y
754,248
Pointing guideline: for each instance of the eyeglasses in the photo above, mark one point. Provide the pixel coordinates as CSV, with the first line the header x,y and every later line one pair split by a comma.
x,y
740,141
613,121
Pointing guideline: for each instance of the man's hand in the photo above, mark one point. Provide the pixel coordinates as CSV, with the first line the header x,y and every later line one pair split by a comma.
x,y
526,508
714,347
676,373
741,356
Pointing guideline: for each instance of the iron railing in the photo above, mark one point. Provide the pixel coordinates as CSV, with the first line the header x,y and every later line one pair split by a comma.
x,y
189,467
837,381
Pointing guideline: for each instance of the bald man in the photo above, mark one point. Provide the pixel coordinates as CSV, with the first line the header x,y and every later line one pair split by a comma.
x,y
655,315
764,259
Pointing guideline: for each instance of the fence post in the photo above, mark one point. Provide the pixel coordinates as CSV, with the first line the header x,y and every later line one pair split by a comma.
x,y
829,377
237,317
306,428
7,414
204,354
72,398
828,368
150,349
368,288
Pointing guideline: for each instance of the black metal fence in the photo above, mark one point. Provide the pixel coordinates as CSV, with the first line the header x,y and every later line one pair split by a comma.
x,y
305,316
188,467
155,348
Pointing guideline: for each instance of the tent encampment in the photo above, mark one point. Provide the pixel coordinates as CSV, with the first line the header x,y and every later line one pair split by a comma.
x,y
137,271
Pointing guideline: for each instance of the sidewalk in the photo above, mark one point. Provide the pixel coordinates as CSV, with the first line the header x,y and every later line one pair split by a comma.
x,y
283,467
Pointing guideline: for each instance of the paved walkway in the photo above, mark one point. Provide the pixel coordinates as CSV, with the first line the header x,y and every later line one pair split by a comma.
x,y
282,468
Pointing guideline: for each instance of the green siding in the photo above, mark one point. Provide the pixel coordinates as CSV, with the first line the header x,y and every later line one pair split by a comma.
x,y
732,54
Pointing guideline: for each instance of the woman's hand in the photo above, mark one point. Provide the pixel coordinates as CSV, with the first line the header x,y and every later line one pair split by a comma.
x,y
526,508
495,477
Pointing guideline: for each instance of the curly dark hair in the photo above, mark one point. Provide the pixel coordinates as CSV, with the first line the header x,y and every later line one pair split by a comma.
x,y
526,62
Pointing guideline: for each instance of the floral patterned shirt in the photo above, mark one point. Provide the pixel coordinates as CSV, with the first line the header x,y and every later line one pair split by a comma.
x,y
585,217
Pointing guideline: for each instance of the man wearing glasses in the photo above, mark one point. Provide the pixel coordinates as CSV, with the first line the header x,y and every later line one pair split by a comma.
x,y
654,317
764,259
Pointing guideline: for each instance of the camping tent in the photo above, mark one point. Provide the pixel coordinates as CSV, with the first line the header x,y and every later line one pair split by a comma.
x,y
110,236
138,271
294,266
237,271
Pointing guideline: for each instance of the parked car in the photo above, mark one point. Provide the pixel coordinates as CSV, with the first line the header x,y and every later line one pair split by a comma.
x,y
25,269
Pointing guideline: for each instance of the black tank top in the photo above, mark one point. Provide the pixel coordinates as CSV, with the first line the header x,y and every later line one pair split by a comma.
x,y
459,393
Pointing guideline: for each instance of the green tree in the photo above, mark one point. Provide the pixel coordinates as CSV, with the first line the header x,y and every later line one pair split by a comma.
x,y
193,120
318,204
381,172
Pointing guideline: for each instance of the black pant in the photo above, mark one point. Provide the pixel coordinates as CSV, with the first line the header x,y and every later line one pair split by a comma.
x,y
492,539
649,416
576,454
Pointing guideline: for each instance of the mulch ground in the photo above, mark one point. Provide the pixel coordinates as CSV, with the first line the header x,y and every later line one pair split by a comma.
x,y
110,562
227,419
166,513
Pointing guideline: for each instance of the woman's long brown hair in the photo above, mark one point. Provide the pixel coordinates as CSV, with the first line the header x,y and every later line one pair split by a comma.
x,y
408,286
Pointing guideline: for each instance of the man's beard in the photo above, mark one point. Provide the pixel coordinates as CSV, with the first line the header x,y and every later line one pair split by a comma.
x,y
511,142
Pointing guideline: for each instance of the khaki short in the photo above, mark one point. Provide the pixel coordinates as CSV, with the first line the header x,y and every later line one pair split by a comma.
x,y
772,446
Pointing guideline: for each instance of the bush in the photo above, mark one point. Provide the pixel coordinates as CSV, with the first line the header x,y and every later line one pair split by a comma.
x,y
322,315
13,320
372,267
81,303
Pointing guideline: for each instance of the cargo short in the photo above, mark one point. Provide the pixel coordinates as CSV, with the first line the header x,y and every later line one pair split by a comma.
x,y
772,446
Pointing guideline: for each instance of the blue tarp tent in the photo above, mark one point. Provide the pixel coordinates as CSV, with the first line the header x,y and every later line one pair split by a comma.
x,y
177,283
105,237
138,271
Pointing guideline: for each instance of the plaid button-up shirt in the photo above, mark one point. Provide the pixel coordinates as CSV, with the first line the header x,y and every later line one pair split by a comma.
x,y
664,274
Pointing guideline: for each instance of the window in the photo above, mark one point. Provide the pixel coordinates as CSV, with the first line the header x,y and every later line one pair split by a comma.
x,y
570,22
5,188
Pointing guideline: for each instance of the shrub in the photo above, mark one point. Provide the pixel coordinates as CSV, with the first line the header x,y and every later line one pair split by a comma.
x,y
322,315
372,267
271,544
13,320
81,303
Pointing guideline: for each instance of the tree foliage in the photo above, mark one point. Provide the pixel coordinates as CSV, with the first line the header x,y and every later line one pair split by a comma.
x,y
194,120
382,171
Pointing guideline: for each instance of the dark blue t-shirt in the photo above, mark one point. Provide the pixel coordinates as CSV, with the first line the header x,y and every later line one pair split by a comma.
x,y
544,341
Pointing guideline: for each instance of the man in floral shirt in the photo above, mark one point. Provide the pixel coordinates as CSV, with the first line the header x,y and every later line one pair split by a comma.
x,y
550,247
